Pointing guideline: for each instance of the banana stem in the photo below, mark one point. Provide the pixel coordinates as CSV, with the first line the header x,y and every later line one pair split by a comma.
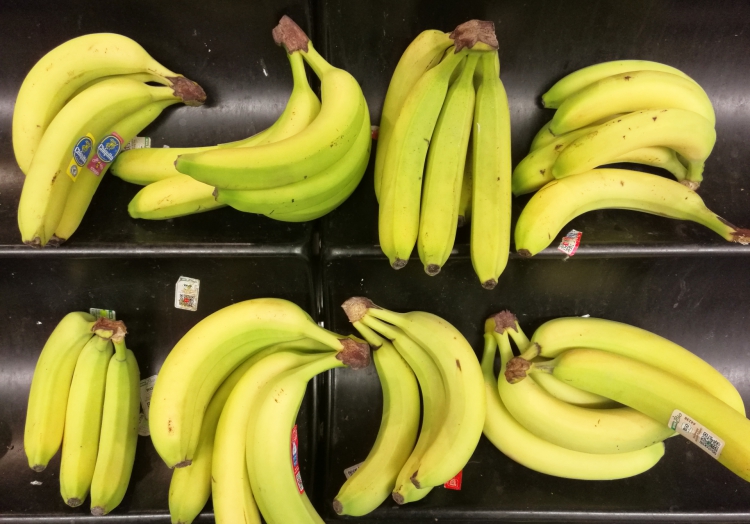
x,y
488,355
120,349
381,327
369,335
519,337
531,352
318,64
506,352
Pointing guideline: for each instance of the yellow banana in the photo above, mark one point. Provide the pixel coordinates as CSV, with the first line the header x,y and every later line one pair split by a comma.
x,y
464,203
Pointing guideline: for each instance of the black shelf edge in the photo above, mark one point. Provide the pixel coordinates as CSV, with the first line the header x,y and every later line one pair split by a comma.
x,y
158,251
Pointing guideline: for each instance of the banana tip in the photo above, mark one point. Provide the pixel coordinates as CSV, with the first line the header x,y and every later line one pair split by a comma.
x,y
398,498
414,480
741,236
515,370
690,184
461,221
185,463
524,253
338,507
432,269
97,511
356,308
35,242
55,241
489,284
399,263
39,467
74,502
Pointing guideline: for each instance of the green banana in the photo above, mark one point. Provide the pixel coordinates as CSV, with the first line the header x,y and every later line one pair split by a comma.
x,y
664,397
491,177
562,200
444,171
582,78
628,92
119,436
560,334
50,387
422,54
83,419
464,202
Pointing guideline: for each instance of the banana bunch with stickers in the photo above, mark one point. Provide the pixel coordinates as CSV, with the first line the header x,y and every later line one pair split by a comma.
x,y
615,392
444,152
628,111
300,168
85,397
76,110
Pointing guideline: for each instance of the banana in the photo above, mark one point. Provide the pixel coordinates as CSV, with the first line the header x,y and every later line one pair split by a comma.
x,y
87,182
524,447
661,395
491,177
544,137
434,400
83,419
68,146
656,156
462,379
582,78
144,166
310,192
190,487
269,465
321,144
140,77
173,197
230,487
422,54
119,436
688,133
208,353
50,386
560,201
628,92
68,67
371,484
444,171
464,202
608,431
558,335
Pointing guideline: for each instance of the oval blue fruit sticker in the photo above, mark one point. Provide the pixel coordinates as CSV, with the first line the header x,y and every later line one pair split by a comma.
x,y
109,147
82,150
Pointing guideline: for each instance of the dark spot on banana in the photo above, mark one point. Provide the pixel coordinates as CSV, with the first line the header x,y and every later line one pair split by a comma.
x,y
458,364
622,183
623,137
292,200
542,171
628,78
558,147
654,119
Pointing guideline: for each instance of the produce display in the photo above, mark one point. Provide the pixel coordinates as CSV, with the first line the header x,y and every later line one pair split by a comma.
x,y
85,395
433,120
301,168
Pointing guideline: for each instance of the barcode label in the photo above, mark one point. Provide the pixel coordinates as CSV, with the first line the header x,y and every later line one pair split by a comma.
x,y
351,470
147,389
102,313
570,242
696,433
139,142
186,293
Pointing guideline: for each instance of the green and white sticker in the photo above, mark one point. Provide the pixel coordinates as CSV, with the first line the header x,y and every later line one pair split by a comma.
x,y
696,433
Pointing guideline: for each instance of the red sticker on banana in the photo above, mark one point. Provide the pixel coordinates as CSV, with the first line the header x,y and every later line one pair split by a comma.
x,y
295,460
455,482
106,152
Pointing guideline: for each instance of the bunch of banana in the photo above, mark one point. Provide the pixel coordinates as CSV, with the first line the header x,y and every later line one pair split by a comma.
x,y
449,376
77,108
301,168
85,393
435,122
604,384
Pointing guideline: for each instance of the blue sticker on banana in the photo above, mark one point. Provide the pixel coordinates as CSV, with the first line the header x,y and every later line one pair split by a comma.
x,y
81,154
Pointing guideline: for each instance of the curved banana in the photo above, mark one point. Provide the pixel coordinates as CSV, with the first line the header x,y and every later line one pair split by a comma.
x,y
560,334
87,182
371,484
663,396
560,201
656,156
310,192
433,399
422,54
176,196
401,178
616,430
230,487
464,202
269,465
83,419
444,171
628,92
208,353
144,166
114,462
491,177
140,77
462,378
68,146
325,141
524,447
64,70
50,386
582,78
688,133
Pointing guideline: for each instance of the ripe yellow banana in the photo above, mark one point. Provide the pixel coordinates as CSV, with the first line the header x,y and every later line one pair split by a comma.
x,y
144,166
119,436
491,177
558,335
173,197
688,133
64,70
616,430
562,200
529,450
422,54
433,398
582,78
628,92
444,171
50,386
83,419
325,141
464,203
664,397
208,353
